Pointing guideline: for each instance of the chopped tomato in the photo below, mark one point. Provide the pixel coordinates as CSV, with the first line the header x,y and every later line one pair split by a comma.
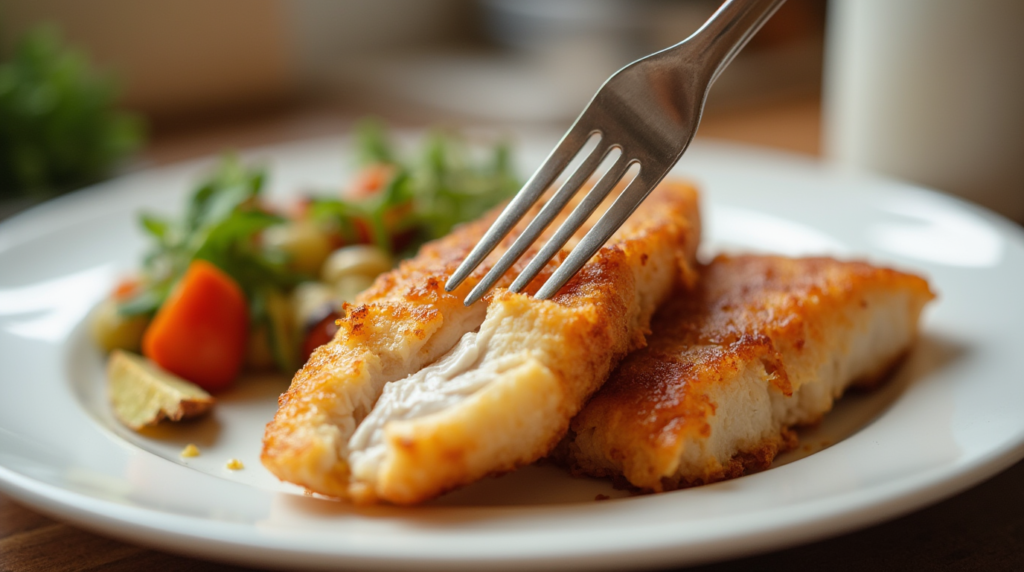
x,y
401,240
126,289
200,332
320,334
371,180
396,214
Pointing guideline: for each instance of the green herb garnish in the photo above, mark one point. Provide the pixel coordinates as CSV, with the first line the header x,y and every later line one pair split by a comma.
x,y
225,223
221,224
424,198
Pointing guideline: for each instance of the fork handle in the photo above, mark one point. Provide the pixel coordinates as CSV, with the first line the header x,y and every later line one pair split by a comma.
x,y
718,41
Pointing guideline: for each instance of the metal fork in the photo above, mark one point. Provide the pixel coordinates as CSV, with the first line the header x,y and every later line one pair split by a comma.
x,y
649,110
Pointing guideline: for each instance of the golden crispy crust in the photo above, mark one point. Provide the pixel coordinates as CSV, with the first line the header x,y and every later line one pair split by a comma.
x,y
771,318
407,320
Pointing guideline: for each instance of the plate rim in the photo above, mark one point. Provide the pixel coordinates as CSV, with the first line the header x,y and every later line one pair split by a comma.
x,y
77,507
74,507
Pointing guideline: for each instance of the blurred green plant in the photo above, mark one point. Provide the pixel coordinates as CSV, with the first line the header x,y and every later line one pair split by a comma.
x,y
59,127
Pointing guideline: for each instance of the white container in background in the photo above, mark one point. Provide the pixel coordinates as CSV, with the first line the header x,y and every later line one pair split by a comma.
x,y
931,91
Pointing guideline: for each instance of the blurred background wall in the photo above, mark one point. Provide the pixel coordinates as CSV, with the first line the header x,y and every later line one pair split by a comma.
x,y
482,60
930,91
175,58
230,73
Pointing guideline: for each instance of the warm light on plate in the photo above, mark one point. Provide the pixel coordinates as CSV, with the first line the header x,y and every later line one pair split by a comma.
x,y
950,418
933,232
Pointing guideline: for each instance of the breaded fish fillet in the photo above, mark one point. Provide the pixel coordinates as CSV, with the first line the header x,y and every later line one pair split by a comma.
x,y
418,394
760,345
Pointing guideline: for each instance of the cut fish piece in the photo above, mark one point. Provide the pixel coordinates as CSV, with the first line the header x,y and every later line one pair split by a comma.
x,y
760,345
418,394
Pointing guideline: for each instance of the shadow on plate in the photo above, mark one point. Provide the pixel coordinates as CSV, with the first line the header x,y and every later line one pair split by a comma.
x,y
859,408
536,485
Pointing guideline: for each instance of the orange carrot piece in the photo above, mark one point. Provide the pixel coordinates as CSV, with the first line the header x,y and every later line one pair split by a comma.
x,y
200,332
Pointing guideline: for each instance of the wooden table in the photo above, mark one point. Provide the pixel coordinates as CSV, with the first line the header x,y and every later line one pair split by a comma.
x,y
981,529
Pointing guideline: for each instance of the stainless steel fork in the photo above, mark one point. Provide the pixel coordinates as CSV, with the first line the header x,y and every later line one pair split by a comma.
x,y
649,110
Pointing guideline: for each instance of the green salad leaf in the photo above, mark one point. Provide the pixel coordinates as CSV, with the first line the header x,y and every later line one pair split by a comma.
x,y
426,196
224,222
221,225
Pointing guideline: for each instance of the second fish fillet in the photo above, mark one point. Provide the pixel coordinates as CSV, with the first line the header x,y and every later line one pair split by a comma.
x,y
762,344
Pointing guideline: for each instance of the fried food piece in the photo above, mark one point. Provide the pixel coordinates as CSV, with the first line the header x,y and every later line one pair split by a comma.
x,y
418,394
142,394
762,344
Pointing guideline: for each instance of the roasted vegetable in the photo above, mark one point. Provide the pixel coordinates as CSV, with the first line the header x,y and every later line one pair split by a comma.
x,y
222,225
142,394
321,333
114,330
361,260
263,266
201,331
304,243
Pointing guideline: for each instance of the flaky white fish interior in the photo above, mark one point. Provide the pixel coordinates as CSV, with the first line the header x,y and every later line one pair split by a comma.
x,y
760,345
418,394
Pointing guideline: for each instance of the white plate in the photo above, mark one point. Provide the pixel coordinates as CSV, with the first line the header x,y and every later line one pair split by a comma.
x,y
949,419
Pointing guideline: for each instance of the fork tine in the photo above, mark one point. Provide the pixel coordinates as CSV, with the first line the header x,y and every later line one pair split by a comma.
x,y
520,204
617,214
538,224
574,221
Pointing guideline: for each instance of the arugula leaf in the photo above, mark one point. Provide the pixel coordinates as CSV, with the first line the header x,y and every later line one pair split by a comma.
x,y
339,214
451,189
372,145
229,245
447,185
156,226
229,188
221,225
